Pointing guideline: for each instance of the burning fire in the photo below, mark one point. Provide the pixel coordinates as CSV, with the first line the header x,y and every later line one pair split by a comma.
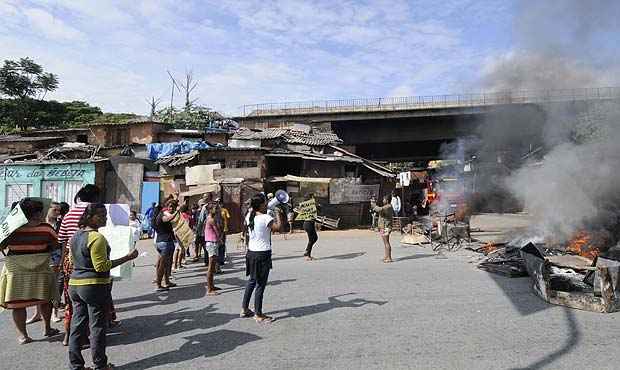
x,y
583,245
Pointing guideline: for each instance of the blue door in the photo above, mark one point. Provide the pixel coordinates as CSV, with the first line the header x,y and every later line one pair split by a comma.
x,y
150,194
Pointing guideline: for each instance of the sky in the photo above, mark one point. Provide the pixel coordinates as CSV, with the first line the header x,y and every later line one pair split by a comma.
x,y
115,54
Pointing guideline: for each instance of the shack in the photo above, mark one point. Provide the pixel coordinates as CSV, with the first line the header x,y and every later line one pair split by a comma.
x,y
59,180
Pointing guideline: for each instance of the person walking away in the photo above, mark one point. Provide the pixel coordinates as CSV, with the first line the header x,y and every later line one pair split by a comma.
x,y
164,245
149,215
27,279
396,204
87,194
258,258
225,219
386,214
310,229
212,239
89,287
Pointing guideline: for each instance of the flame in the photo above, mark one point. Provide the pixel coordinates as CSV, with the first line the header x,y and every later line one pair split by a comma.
x,y
489,247
582,244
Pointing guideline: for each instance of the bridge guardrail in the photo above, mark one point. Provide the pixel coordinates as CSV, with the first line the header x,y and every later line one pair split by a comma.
x,y
429,101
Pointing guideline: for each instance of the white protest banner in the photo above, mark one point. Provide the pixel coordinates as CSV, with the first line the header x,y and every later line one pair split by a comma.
x,y
13,221
306,211
121,243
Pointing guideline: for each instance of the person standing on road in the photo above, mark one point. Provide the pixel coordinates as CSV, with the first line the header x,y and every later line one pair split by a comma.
x,y
164,243
386,214
225,217
149,217
89,287
27,279
213,235
201,217
310,229
396,205
258,258
69,226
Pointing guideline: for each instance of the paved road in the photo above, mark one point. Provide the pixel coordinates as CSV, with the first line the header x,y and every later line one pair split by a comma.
x,y
347,310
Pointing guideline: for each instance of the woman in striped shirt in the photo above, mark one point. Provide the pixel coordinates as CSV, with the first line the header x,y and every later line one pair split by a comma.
x,y
27,279
87,194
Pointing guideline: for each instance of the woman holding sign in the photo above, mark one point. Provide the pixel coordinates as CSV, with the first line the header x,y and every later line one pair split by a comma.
x,y
27,279
258,257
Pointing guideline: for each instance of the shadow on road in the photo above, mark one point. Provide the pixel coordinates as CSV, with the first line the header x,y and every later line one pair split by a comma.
x,y
523,298
332,304
174,295
572,340
168,324
200,345
415,257
347,256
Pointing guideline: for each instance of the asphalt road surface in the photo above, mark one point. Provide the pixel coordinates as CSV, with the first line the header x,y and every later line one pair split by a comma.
x,y
346,310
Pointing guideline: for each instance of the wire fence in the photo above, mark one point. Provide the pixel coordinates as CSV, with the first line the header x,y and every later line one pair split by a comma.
x,y
429,101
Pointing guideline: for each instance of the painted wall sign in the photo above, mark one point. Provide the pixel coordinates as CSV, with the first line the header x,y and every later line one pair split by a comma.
x,y
352,193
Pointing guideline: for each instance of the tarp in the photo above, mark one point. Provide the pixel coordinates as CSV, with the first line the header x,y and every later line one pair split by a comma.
x,y
159,150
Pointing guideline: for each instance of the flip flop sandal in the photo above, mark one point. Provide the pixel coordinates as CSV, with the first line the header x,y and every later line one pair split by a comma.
x,y
213,293
264,319
25,340
216,288
245,314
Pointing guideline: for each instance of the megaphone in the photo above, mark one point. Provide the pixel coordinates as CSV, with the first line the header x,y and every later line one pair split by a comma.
x,y
281,197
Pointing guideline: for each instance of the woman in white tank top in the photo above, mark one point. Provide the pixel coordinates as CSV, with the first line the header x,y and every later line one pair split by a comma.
x,y
258,257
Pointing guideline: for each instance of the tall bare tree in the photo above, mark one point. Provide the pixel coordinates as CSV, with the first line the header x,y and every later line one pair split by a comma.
x,y
188,86
153,103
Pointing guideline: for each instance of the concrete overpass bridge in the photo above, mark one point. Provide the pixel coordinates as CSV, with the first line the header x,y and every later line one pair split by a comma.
x,y
413,128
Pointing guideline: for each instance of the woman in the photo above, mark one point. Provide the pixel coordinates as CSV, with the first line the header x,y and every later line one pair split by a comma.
x,y
258,257
89,287
68,227
52,219
164,242
213,235
386,215
27,279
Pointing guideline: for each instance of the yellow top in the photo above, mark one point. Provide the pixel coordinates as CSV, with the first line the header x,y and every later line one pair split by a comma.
x,y
99,256
225,218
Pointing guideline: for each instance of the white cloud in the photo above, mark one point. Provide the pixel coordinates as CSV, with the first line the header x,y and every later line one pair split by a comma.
x,y
240,52
51,26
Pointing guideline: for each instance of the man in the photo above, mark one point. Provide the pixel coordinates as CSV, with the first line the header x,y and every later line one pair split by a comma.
x,y
396,205
148,217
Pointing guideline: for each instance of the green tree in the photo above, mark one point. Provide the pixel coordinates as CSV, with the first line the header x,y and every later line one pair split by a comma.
x,y
23,81
79,113
193,117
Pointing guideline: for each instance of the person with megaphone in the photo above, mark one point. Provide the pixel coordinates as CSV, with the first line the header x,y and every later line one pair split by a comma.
x,y
258,258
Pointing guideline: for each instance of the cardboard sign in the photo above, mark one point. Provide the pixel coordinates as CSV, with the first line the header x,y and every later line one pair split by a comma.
x,y
306,211
13,221
182,231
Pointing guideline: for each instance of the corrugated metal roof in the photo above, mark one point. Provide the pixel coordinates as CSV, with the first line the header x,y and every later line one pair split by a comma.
x,y
289,136
179,159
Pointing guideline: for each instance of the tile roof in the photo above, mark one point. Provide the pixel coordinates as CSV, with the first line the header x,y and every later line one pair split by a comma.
x,y
289,136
